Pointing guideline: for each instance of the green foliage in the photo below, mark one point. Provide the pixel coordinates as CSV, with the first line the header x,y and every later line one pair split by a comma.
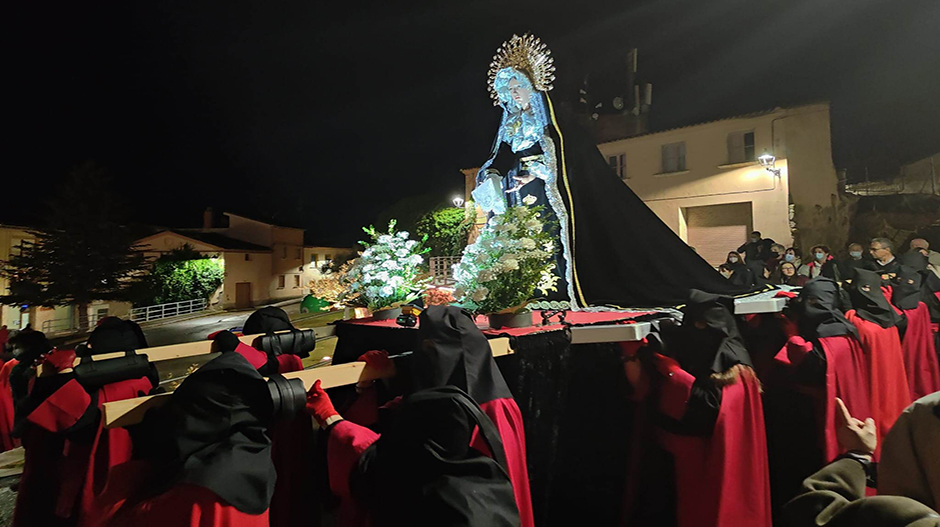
x,y
447,230
407,211
174,280
82,253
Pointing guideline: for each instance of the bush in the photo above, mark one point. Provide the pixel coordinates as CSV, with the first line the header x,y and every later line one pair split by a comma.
x,y
182,274
447,230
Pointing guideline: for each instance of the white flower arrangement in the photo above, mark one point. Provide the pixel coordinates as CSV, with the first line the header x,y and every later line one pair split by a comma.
x,y
510,259
386,274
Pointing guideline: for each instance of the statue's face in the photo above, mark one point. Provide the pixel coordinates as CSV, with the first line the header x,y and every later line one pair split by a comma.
x,y
519,93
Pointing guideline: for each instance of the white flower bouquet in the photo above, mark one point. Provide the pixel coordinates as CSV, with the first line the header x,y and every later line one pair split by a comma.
x,y
510,259
386,274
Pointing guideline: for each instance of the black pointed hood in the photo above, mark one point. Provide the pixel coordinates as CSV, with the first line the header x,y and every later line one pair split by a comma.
x,y
267,320
819,310
869,301
453,352
709,338
906,288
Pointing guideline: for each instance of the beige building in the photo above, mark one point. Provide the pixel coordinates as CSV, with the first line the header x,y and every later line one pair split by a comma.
x,y
315,257
50,320
263,262
706,181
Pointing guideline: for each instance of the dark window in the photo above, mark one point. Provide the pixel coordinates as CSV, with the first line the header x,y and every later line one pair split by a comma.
x,y
280,281
618,163
741,147
674,157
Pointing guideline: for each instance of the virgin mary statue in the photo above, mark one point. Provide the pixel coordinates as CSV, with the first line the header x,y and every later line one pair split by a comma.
x,y
613,251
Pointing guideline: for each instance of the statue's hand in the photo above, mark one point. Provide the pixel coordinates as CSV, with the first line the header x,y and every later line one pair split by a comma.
x,y
523,180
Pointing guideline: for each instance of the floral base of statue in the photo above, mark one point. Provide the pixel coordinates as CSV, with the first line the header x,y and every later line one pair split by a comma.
x,y
388,313
510,320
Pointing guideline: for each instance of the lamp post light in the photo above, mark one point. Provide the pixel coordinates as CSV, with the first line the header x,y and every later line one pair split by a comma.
x,y
458,201
768,161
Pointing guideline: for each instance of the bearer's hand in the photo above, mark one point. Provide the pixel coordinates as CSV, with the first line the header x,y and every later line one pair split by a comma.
x,y
320,407
633,369
853,434
57,361
374,359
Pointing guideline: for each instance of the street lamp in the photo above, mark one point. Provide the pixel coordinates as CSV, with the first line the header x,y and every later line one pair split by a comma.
x,y
767,161
458,201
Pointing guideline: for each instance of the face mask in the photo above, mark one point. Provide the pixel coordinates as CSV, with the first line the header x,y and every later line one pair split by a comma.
x,y
733,259
789,257
855,254
755,240
820,256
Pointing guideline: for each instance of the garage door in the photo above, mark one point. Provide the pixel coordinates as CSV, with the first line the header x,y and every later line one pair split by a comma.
x,y
716,229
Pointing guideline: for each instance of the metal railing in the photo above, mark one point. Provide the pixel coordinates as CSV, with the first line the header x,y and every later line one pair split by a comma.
x,y
67,325
147,313
442,272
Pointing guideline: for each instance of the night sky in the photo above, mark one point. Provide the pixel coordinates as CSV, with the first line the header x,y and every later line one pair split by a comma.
x,y
322,114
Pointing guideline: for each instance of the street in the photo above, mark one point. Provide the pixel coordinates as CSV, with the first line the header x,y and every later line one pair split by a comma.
x,y
198,328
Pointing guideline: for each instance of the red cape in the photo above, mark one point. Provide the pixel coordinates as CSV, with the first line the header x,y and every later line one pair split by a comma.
x,y
61,478
887,378
847,379
347,441
920,356
722,480
183,505
7,441
506,416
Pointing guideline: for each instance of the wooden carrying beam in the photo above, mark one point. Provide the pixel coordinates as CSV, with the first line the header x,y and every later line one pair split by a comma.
x,y
131,411
193,349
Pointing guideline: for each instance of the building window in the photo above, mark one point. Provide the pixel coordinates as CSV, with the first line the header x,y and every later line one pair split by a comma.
x,y
296,281
741,147
674,157
300,254
329,258
284,252
618,163
280,281
247,257
313,258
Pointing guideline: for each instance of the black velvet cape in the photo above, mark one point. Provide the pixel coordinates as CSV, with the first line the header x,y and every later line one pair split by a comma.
x,y
623,254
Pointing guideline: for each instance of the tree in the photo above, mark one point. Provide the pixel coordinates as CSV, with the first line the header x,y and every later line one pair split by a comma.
x,y
82,252
447,230
182,274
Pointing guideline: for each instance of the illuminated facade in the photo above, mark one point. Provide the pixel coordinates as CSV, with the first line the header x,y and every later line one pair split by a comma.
x,y
706,183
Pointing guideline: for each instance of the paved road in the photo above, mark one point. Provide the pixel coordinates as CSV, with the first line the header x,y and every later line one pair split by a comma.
x,y
198,328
